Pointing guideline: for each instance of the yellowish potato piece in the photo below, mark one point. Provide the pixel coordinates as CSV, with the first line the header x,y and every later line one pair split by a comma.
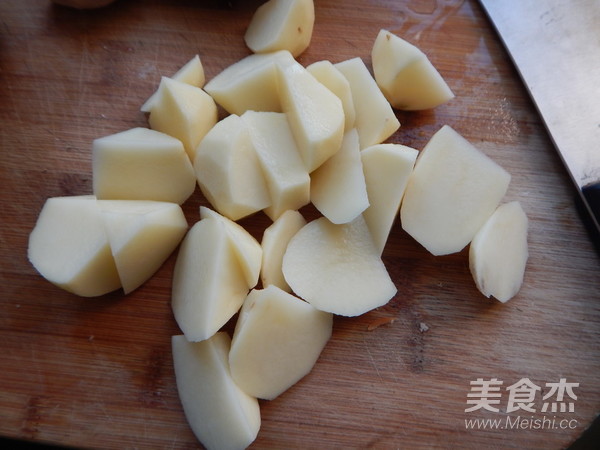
x,y
69,247
250,83
183,111
274,243
142,235
328,75
387,168
228,170
142,164
281,25
452,191
277,341
337,268
375,118
220,414
315,114
405,74
338,188
247,249
287,179
191,73
498,253
209,285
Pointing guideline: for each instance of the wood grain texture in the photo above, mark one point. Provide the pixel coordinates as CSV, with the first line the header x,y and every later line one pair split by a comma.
x,y
98,372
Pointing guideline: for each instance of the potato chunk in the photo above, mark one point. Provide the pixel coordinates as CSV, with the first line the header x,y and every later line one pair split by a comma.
x,y
498,253
277,341
337,268
220,414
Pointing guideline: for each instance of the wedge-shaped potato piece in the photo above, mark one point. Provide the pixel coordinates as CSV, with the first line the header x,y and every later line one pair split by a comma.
x,y
387,168
228,170
287,178
452,191
209,285
338,188
183,111
220,414
328,75
498,253
245,246
142,164
337,268
69,247
191,73
277,341
405,74
274,243
375,119
315,114
142,235
250,83
281,25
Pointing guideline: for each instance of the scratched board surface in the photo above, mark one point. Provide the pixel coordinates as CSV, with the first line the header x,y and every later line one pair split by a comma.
x,y
98,372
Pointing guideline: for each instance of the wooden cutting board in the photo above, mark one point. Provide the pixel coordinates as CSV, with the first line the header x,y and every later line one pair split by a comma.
x,y
98,372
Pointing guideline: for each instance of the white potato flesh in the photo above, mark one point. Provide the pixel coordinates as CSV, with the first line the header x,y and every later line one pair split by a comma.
x,y
245,246
191,73
142,235
183,111
287,179
281,25
315,114
228,170
220,414
405,74
498,253
142,164
375,119
250,83
209,285
337,268
277,341
274,243
337,188
387,168
69,247
328,75
452,191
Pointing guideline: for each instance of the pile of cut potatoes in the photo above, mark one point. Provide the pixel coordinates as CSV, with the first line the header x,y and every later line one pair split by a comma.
x,y
292,135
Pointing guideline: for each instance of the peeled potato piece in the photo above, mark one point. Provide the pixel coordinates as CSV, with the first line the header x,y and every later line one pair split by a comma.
x,y
452,191
142,235
183,111
281,25
498,253
209,285
191,73
337,187
220,414
229,172
375,120
277,341
315,114
274,243
328,75
286,177
69,247
250,83
337,268
405,74
246,248
387,168
142,164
